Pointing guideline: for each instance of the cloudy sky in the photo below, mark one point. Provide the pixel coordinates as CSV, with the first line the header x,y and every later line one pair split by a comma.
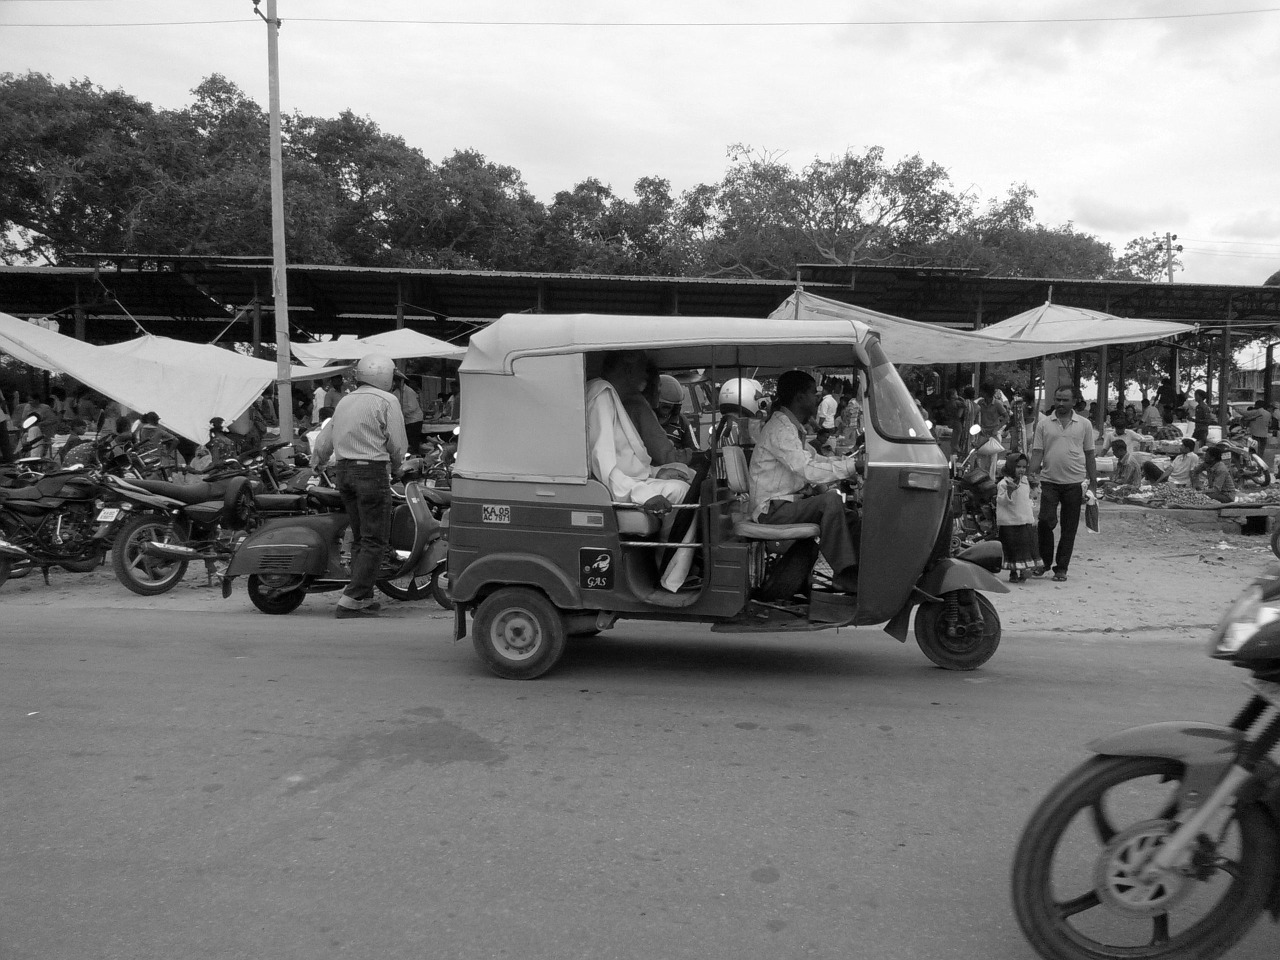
x,y
1127,117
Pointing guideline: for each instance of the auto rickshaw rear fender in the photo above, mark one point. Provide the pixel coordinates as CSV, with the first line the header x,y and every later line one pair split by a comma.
x,y
953,573
947,575
516,569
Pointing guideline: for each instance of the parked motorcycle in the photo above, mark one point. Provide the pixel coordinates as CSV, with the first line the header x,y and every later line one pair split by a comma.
x,y
157,528
973,501
1167,843
50,523
287,558
1240,453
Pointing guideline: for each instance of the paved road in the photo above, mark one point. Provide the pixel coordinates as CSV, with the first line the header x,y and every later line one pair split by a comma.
x,y
217,783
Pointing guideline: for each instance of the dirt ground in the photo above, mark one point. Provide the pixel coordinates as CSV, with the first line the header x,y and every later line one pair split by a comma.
x,y
1147,570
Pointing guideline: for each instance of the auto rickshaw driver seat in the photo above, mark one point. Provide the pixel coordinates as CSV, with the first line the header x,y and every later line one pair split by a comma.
x,y
782,554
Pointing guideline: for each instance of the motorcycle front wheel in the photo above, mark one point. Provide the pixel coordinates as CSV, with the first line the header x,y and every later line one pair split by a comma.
x,y
145,575
1076,889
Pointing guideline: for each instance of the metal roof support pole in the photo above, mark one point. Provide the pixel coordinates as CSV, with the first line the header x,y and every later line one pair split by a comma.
x,y
1268,372
1104,387
257,327
1223,374
80,324
976,379
399,303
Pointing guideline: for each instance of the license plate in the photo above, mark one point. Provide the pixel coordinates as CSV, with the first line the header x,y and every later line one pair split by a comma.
x,y
107,514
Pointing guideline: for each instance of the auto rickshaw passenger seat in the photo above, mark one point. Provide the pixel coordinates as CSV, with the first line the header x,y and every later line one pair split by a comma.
x,y
738,478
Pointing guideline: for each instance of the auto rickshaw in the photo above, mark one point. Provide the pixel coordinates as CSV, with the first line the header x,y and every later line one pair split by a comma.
x,y
539,551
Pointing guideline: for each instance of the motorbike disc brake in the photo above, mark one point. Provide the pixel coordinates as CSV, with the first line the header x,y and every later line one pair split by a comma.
x,y
1117,874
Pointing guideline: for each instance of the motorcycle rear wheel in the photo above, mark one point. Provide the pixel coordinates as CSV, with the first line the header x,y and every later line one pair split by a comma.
x,y
262,592
144,575
964,653
406,588
1074,890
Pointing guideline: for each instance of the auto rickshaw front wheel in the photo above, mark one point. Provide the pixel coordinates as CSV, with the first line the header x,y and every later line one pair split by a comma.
x,y
518,633
959,633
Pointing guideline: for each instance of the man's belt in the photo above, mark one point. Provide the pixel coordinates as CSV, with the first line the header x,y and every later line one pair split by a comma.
x,y
364,463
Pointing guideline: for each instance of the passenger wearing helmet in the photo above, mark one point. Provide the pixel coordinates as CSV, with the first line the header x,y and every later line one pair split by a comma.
x,y
642,407
617,453
785,472
670,409
366,435
740,400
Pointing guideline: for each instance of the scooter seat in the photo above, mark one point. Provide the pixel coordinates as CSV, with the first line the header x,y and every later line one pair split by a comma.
x,y
20,493
184,492
775,531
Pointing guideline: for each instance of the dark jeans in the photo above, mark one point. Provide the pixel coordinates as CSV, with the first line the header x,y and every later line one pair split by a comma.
x,y
366,496
827,511
1071,498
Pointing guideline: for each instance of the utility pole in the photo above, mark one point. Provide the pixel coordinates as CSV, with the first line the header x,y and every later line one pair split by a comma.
x,y
279,261
1169,250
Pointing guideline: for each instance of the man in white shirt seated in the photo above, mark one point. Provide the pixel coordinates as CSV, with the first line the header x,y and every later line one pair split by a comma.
x,y
617,454
784,470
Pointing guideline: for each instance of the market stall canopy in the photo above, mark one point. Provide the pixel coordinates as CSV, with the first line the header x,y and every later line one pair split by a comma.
x,y
402,344
908,341
1083,328
186,384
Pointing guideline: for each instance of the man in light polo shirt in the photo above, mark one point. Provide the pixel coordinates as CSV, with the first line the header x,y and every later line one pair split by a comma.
x,y
1063,446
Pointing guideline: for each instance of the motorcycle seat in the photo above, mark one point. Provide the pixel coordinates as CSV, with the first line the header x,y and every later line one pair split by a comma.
x,y
184,492
325,497
20,493
280,502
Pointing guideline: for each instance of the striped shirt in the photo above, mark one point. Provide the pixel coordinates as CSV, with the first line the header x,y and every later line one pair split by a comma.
x,y
367,425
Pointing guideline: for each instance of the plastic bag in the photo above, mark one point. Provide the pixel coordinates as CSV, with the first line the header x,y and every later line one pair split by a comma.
x,y
1091,512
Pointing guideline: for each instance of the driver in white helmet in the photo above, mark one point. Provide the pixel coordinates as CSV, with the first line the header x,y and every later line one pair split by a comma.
x,y
366,435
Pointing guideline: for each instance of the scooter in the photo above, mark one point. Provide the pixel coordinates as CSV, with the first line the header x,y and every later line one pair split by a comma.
x,y
287,558
1166,844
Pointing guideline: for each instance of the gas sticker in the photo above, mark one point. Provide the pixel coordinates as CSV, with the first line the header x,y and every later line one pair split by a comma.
x,y
495,513
595,568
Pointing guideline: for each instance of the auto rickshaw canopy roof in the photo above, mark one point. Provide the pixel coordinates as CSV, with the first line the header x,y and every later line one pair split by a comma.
x,y
673,342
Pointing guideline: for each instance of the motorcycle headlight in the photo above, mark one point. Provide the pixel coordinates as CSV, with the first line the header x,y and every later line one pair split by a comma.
x,y
1246,617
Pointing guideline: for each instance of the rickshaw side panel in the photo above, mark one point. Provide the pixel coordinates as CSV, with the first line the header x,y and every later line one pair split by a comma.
x,y
547,535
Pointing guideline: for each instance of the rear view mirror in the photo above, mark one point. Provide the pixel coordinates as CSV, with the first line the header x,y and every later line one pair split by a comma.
x,y
975,430
30,422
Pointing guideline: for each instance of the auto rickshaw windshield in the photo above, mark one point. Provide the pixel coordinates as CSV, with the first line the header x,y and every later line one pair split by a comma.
x,y
893,410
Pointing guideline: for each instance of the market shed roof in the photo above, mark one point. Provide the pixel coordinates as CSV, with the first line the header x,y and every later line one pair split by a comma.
x,y
195,298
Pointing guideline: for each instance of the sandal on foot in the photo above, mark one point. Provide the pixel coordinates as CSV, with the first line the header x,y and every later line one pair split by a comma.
x,y
1060,577
1038,573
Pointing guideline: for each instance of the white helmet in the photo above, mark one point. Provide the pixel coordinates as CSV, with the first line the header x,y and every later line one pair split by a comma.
x,y
377,370
742,392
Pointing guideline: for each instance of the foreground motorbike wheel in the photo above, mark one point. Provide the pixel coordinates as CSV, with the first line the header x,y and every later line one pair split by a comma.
x,y
1076,892
518,633
965,647
276,594
144,575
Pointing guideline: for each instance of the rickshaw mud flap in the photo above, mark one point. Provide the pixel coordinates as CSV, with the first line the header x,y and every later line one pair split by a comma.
x,y
459,622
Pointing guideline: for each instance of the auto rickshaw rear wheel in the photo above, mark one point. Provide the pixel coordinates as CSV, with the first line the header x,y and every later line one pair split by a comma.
x,y
963,644
518,633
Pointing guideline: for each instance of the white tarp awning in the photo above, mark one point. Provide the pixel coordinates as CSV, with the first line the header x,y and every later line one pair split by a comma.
x,y
402,344
909,341
1061,324
186,384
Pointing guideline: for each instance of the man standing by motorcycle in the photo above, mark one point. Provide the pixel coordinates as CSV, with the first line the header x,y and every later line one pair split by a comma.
x,y
366,434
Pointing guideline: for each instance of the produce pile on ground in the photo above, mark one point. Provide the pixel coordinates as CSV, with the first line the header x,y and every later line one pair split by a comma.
x,y
1169,495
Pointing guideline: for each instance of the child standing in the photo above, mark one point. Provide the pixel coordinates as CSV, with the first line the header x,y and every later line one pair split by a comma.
x,y
1015,520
